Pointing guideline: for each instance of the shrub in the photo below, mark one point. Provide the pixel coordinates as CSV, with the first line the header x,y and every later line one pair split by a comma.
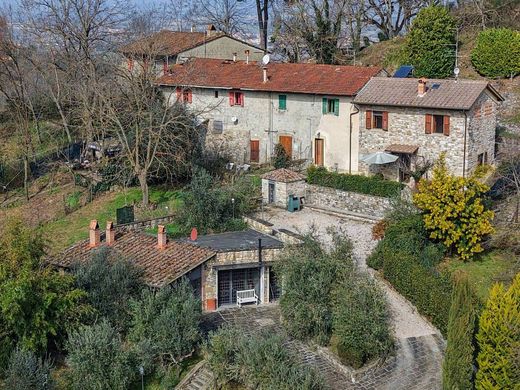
x,y
97,358
258,361
354,183
499,338
453,210
430,44
280,159
307,307
27,372
497,53
361,322
110,281
458,365
165,323
407,259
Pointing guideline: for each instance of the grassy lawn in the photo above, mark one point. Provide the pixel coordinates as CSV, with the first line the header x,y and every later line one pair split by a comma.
x,y
73,227
484,271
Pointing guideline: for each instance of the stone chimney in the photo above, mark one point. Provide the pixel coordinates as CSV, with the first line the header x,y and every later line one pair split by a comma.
x,y
94,234
110,233
247,56
234,57
161,237
264,69
211,30
421,87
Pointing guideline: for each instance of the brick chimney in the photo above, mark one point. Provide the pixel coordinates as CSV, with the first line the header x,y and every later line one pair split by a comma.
x,y
161,237
247,56
211,30
421,87
94,234
234,57
110,233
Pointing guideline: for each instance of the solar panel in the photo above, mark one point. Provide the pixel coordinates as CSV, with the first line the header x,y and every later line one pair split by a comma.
x,y
404,71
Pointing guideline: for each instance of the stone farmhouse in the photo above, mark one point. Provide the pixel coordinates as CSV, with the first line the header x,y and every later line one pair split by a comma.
x,y
420,119
168,47
217,266
249,108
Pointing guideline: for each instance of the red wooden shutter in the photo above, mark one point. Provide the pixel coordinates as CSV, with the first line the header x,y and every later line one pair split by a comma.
x,y
190,96
446,125
165,67
231,98
242,99
428,123
368,119
385,120
179,94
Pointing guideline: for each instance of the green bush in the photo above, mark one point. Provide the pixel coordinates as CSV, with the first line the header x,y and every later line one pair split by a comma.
x,y
281,159
458,365
307,307
98,359
27,372
258,361
430,44
407,259
361,322
497,53
354,183
110,281
165,323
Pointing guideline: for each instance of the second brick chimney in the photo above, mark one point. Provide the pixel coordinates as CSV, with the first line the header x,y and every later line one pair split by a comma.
x,y
94,234
110,233
161,237
421,87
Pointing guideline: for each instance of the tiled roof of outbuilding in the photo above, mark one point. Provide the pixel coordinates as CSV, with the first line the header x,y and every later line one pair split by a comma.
x,y
283,175
342,80
160,266
442,94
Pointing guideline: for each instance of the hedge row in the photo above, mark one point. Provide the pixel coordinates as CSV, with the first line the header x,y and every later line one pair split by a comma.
x,y
370,185
408,261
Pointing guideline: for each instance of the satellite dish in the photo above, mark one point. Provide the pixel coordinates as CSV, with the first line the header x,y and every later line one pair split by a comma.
x,y
266,59
456,71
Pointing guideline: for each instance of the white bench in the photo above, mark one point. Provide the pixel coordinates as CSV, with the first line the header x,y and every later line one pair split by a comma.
x,y
246,296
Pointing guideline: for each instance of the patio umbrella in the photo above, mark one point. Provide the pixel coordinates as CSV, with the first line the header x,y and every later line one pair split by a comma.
x,y
379,158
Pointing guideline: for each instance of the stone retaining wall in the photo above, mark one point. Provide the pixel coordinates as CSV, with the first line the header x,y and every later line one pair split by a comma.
x,y
343,201
147,223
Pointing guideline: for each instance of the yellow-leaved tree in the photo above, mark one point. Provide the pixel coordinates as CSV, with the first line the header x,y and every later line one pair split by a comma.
x,y
453,210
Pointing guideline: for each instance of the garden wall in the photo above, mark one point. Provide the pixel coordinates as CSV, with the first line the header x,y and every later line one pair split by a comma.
x,y
343,201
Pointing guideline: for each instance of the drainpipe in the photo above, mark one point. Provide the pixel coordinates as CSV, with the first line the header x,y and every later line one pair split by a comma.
x,y
350,139
465,136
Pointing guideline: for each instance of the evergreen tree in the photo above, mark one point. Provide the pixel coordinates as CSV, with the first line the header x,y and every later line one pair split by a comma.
x,y
281,159
457,370
430,44
499,339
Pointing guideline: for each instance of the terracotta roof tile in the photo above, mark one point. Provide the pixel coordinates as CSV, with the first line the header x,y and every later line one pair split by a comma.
x,y
283,175
168,42
282,77
442,94
160,266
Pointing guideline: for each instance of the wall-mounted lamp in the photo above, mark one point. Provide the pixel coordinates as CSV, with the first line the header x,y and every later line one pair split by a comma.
x,y
318,135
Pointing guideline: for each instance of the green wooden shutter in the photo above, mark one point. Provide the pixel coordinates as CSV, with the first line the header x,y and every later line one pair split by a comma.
x,y
282,102
324,105
336,107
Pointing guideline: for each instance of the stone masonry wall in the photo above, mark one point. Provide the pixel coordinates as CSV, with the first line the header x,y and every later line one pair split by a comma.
x,y
282,191
406,126
331,198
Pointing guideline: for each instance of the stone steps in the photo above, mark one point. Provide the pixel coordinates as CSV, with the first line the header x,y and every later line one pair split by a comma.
x,y
199,378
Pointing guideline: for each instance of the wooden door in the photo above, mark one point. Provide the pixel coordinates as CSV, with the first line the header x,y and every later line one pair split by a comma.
x,y
318,152
286,141
255,151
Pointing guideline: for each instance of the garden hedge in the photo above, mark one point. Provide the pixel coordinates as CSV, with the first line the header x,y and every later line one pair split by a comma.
x,y
369,185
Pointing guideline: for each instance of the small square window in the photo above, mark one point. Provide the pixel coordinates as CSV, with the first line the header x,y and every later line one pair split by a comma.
x,y
378,119
438,124
216,94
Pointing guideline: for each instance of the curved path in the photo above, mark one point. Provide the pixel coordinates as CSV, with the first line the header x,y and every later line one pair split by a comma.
x,y
417,361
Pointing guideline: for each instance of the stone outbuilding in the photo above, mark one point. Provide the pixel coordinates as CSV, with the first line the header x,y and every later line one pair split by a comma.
x,y
277,185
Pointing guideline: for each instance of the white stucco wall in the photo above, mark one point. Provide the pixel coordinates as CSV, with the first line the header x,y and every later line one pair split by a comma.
x,y
260,119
